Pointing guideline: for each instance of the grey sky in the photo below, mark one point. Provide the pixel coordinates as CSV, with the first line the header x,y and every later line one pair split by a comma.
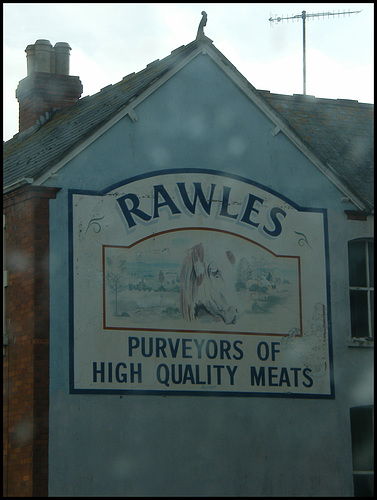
x,y
112,40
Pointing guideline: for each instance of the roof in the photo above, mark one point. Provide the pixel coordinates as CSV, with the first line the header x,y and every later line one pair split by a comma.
x,y
29,156
339,131
338,134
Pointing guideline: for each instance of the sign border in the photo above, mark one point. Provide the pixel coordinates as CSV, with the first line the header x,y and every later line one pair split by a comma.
x,y
72,192
198,331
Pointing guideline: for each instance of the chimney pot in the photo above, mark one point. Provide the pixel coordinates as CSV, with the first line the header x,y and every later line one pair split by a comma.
x,y
43,56
30,59
62,53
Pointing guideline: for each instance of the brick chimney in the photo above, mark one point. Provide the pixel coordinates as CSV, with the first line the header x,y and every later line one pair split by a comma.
x,y
48,84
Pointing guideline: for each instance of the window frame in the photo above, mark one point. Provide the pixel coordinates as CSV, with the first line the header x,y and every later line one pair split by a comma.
x,y
367,341
359,440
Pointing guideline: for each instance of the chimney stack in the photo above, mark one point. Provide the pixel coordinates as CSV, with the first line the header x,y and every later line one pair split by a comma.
x,y
48,84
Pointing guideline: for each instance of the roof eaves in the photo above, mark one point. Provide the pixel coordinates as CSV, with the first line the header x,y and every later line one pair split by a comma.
x,y
134,85
185,56
351,117
17,184
287,129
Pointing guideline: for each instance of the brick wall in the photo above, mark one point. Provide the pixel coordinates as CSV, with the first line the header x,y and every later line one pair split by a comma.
x,y
40,92
26,359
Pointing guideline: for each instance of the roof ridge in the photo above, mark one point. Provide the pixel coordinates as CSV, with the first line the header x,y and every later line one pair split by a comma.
x,y
311,98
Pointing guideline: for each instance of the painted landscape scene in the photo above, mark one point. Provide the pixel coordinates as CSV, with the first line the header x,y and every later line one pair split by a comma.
x,y
197,280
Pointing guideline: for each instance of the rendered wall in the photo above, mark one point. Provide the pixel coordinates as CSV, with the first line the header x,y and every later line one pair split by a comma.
x,y
127,445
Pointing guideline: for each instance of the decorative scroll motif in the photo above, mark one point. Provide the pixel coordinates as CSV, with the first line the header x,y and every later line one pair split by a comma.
x,y
303,240
96,225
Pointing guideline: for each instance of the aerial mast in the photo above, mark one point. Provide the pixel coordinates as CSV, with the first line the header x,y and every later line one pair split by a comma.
x,y
305,16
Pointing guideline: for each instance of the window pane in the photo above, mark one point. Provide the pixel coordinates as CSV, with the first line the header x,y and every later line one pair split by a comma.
x,y
363,485
371,262
357,263
359,313
362,438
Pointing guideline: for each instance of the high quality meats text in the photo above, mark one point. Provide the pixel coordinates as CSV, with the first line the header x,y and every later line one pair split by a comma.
x,y
220,375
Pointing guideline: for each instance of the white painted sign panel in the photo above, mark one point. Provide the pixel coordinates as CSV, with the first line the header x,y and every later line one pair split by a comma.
x,y
198,282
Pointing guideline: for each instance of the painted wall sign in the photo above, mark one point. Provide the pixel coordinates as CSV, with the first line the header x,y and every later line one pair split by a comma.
x,y
198,282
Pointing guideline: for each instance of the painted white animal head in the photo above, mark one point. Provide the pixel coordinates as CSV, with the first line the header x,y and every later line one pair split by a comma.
x,y
207,284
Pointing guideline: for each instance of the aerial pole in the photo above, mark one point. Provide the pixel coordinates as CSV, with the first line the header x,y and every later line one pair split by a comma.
x,y
304,48
304,16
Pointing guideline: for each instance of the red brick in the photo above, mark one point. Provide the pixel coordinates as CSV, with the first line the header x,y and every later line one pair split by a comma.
x,y
26,360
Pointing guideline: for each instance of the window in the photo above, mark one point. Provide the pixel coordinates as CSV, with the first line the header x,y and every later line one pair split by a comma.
x,y
362,431
361,280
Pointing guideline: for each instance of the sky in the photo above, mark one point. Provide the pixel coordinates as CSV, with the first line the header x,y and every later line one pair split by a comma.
x,y
111,40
